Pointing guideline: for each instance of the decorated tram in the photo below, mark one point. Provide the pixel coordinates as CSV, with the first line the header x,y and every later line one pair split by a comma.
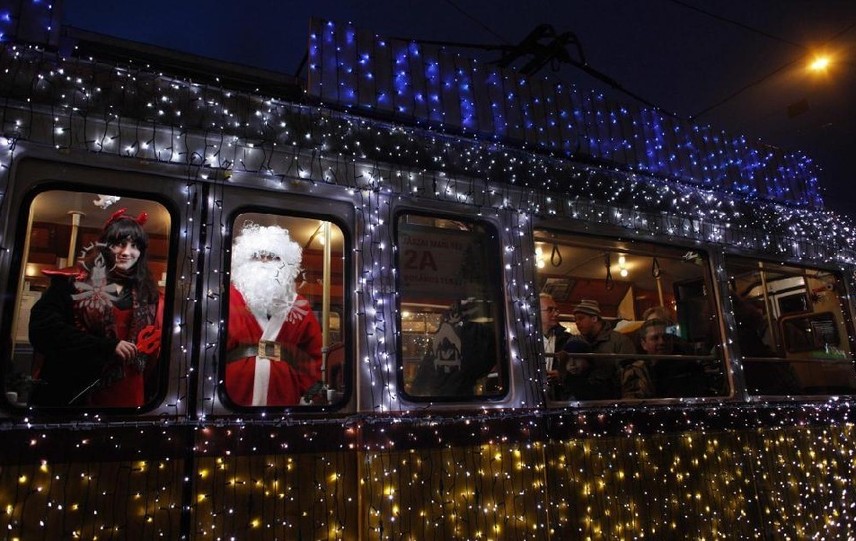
x,y
428,206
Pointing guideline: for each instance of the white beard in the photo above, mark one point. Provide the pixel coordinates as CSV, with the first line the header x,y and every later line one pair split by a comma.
x,y
267,286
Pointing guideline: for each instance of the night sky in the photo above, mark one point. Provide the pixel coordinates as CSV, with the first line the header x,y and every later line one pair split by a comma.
x,y
733,64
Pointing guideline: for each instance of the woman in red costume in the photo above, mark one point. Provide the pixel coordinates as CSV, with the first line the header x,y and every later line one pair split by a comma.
x,y
273,350
97,327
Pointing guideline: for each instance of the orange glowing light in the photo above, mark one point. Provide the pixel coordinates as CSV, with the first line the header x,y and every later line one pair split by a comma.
x,y
820,63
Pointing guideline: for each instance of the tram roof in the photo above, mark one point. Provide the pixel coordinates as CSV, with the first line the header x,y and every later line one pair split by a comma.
x,y
755,191
431,85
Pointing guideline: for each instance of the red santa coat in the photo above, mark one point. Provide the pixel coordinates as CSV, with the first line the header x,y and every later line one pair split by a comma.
x,y
287,379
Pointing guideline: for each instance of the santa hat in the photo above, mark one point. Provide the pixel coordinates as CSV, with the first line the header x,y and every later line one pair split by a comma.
x,y
273,240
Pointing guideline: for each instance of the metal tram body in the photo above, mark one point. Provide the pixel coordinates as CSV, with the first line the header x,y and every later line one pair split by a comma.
x,y
414,239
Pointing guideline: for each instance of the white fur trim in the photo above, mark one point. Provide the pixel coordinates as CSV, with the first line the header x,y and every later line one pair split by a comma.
x,y
273,239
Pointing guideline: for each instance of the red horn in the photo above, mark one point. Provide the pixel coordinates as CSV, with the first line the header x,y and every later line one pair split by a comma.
x,y
142,218
115,216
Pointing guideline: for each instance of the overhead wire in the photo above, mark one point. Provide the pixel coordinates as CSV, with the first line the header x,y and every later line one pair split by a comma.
x,y
582,65
739,24
756,82
478,22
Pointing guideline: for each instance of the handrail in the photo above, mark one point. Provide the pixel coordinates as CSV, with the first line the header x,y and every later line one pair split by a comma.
x,y
637,356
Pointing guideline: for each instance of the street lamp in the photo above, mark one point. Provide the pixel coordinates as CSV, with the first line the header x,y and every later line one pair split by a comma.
x,y
819,63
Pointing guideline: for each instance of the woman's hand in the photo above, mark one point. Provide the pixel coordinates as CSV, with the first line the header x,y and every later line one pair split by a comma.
x,y
125,350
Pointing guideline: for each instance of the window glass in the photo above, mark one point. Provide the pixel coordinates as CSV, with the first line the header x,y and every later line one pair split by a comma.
x,y
451,302
628,320
791,328
285,333
87,324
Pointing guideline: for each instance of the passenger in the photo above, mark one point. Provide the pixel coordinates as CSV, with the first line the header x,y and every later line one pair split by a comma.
x,y
603,339
597,332
584,378
713,369
661,313
751,325
671,378
657,312
762,377
97,328
273,349
554,336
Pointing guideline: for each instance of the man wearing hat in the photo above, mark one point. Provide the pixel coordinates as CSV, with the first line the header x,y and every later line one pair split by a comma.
x,y
603,339
597,332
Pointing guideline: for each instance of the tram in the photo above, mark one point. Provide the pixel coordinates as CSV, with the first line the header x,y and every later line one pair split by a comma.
x,y
425,249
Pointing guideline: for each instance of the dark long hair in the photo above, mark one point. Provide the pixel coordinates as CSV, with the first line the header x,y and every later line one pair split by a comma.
x,y
139,276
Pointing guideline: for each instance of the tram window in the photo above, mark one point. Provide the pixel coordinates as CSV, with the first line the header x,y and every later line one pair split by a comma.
x,y
791,328
626,320
450,305
285,336
87,325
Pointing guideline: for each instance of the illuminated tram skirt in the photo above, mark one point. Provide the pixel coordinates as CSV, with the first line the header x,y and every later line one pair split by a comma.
x,y
787,483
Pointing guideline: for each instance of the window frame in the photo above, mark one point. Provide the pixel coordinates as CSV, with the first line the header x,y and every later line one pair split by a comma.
x,y
619,240
36,176
495,271
749,262
253,202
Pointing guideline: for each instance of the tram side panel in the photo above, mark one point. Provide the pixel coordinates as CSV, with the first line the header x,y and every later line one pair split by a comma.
x,y
660,486
122,483
256,482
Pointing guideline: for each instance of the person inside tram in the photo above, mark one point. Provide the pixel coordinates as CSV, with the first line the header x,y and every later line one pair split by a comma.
x,y
671,378
661,313
751,329
657,312
762,377
602,338
598,332
96,330
586,378
554,336
273,348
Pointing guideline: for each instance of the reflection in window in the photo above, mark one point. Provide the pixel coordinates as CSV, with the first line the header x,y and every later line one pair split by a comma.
x,y
284,343
620,297
450,302
791,329
87,327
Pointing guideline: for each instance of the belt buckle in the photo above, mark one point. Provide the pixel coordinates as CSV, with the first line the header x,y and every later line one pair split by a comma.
x,y
269,349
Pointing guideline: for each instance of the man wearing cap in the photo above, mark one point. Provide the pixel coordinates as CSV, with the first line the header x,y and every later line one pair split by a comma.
x,y
602,339
597,332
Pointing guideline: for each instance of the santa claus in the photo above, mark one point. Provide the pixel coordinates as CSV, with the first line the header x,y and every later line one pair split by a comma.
x,y
273,350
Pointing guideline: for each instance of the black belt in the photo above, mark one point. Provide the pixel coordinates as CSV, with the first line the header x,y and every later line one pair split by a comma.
x,y
267,349
241,352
